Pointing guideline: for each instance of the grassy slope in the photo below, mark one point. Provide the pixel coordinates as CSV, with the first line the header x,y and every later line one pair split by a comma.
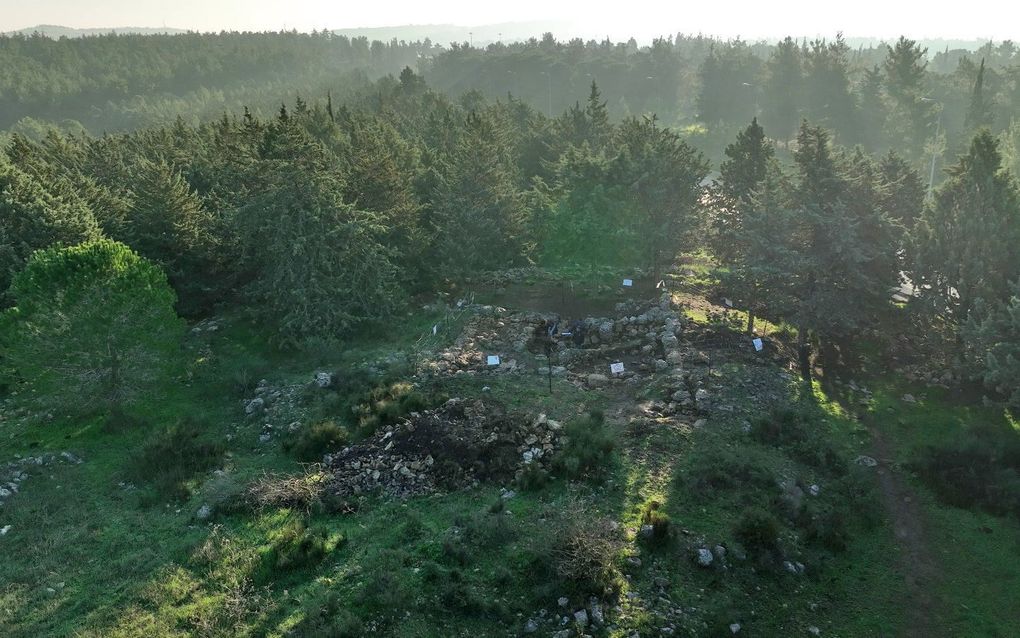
x,y
978,553
134,570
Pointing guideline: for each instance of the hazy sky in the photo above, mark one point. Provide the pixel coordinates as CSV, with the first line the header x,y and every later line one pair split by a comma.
x,y
998,19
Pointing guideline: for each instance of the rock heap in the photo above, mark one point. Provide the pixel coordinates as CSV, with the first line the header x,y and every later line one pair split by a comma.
x,y
454,446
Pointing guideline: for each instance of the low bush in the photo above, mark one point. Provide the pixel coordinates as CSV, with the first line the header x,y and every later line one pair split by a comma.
x,y
588,448
367,401
295,547
314,440
244,370
980,471
585,552
783,427
385,593
653,515
796,430
722,468
326,617
172,457
758,531
827,526
532,478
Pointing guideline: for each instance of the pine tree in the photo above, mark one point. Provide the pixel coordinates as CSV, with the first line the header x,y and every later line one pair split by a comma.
x,y
664,174
169,225
742,173
34,215
845,249
783,89
991,337
319,266
979,112
94,329
969,239
910,115
746,162
597,116
477,207
827,88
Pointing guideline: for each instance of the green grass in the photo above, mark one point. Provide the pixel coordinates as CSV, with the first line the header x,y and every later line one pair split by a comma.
x,y
132,562
978,553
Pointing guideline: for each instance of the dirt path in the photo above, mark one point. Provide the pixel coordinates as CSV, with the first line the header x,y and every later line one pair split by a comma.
x,y
920,569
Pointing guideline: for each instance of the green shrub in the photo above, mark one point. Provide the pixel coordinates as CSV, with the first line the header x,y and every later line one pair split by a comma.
x,y
758,531
385,592
413,529
296,547
368,401
783,427
314,440
532,478
980,471
588,448
826,526
653,515
721,468
796,430
244,370
172,457
326,617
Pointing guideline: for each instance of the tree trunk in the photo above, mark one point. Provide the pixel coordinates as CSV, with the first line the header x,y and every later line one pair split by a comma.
x,y
750,322
804,354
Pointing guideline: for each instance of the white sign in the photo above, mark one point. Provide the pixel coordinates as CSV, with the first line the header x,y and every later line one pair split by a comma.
x,y
758,345
728,303
435,329
661,284
616,368
493,359
628,283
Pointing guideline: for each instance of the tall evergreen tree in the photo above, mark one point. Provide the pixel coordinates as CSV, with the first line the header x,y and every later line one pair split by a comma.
x,y
735,211
34,215
911,116
478,210
827,88
845,265
783,89
969,239
992,345
169,225
664,174
979,112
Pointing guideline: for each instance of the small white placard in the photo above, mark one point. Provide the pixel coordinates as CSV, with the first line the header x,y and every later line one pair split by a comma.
x,y
435,329
627,283
616,368
758,345
728,302
493,359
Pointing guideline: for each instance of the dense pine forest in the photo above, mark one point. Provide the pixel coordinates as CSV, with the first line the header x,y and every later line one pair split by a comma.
x,y
266,295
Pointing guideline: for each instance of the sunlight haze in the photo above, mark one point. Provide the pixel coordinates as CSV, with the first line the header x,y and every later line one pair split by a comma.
x,y
989,19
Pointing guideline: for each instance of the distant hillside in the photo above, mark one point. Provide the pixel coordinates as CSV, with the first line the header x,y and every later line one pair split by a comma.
x,y
481,35
56,31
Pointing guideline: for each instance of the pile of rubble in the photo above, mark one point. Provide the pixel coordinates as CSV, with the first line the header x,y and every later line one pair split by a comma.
x,y
650,332
454,446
